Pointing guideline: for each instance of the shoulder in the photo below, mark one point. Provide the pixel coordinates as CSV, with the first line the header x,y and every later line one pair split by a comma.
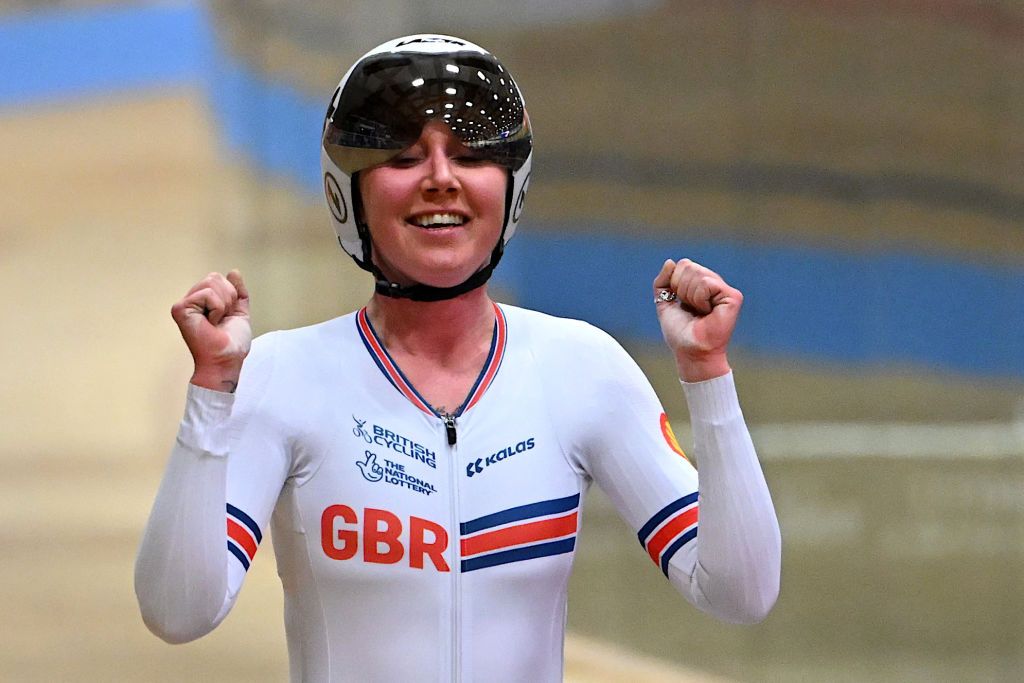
x,y
305,342
540,326
562,340
298,355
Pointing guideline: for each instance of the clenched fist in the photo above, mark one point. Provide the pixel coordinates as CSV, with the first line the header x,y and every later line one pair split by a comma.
x,y
214,322
697,311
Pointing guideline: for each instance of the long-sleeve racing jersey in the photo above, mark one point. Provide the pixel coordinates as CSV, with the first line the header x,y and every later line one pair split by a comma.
x,y
413,545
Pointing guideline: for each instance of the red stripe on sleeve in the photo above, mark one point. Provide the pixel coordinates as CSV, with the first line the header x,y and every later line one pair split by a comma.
x,y
241,537
661,539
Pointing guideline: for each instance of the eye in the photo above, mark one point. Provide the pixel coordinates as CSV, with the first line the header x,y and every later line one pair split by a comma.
x,y
470,159
404,161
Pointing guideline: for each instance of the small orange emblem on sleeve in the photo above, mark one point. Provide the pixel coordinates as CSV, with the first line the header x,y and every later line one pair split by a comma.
x,y
670,437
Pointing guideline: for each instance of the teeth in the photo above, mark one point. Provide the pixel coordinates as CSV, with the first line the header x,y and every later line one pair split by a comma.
x,y
438,219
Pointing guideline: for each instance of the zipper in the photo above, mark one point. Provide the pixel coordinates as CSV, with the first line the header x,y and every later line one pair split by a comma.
x,y
453,469
449,427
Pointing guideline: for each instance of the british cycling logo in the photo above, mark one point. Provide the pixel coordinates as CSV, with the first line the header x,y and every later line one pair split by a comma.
x,y
391,473
477,466
360,430
392,440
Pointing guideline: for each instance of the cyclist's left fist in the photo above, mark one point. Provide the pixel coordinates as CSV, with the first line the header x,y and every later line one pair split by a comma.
x,y
697,310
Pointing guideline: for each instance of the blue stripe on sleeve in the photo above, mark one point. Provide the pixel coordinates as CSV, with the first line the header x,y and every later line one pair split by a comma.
x,y
674,548
247,520
240,554
664,514
546,507
565,545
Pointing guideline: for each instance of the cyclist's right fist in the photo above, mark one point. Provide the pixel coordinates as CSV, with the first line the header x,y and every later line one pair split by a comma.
x,y
214,322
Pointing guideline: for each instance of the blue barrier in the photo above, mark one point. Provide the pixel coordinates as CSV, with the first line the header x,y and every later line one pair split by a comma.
x,y
858,309
53,55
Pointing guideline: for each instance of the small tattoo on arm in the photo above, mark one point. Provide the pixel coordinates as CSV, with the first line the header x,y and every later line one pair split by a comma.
x,y
229,385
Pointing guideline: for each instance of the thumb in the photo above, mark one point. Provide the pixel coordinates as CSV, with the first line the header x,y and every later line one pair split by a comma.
x,y
242,304
664,278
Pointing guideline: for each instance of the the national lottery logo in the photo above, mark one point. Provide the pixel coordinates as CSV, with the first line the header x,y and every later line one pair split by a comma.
x,y
370,469
391,472
394,441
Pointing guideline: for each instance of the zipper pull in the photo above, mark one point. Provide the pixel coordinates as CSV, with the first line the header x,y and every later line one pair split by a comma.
x,y
449,426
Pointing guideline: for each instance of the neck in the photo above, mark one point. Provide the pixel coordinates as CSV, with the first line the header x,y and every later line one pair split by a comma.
x,y
442,330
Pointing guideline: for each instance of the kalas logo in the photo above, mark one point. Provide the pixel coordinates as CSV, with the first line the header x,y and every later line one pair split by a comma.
x,y
478,465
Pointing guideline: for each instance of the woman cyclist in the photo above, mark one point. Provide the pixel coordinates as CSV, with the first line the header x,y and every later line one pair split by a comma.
x,y
423,461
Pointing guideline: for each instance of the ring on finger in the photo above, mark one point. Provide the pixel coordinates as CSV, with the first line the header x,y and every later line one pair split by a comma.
x,y
666,295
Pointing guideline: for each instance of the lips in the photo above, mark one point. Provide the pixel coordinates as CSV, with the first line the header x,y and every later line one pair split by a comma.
x,y
438,220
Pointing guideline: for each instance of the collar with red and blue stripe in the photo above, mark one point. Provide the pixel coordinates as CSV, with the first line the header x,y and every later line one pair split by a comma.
x,y
400,382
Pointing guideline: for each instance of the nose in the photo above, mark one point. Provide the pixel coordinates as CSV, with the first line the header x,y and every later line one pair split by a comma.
x,y
441,178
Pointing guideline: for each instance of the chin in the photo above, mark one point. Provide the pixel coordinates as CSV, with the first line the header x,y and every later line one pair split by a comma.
x,y
436,280
442,268
444,274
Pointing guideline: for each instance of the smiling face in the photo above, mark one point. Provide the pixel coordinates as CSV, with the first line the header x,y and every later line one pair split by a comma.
x,y
435,210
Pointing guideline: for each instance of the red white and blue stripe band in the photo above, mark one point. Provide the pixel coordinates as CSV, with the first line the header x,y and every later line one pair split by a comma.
x,y
520,533
244,536
670,529
398,380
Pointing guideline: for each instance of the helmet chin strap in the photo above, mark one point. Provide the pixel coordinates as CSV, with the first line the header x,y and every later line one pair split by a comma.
x,y
421,292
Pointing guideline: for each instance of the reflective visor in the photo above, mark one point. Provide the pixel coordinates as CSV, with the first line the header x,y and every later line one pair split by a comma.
x,y
388,98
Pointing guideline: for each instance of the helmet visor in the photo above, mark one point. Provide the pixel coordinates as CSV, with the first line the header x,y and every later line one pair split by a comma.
x,y
388,98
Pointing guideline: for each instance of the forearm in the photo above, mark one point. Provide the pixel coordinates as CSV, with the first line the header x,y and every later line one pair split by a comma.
x,y
738,552
181,575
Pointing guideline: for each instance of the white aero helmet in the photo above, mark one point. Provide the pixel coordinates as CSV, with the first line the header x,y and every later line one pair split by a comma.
x,y
380,108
